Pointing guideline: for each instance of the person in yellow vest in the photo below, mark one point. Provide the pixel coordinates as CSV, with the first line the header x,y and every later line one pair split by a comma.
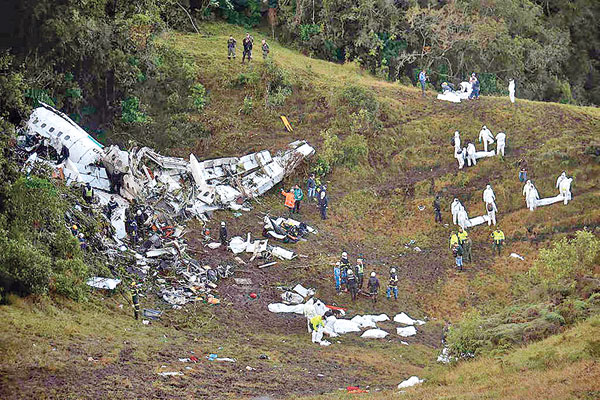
x,y
497,240
453,240
88,193
317,324
465,242
360,272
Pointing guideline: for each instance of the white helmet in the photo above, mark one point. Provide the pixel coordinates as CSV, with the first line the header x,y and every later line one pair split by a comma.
x,y
359,260
373,274
393,270
222,223
139,212
350,272
344,255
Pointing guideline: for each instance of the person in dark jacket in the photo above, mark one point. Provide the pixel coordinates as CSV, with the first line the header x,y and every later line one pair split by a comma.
x,y
392,285
373,286
437,209
63,156
311,187
457,252
111,207
247,43
323,204
265,49
223,234
352,284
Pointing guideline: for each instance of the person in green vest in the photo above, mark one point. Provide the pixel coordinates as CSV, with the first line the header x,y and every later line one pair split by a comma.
x,y
360,272
298,197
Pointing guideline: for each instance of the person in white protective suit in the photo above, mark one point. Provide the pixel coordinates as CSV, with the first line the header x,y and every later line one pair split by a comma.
x,y
491,212
457,141
486,136
471,154
463,218
531,195
565,189
455,208
488,195
500,143
459,154
511,90
309,312
560,179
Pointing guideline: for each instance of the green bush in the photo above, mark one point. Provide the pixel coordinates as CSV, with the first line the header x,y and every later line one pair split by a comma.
x,y
130,111
248,105
357,98
198,96
69,278
567,260
466,338
23,268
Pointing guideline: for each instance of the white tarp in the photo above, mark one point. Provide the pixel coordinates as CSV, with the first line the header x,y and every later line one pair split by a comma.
x,y
363,322
549,200
103,283
403,318
407,331
284,308
483,154
374,334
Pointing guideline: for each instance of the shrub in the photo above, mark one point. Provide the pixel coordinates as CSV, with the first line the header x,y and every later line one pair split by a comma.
x,y
23,268
198,97
130,111
567,260
466,338
69,278
357,97
248,106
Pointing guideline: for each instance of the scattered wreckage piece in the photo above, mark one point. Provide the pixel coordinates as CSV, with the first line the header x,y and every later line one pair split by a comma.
x,y
412,381
103,283
403,318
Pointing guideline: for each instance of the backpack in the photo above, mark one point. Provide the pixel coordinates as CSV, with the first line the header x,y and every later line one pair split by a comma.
x,y
452,141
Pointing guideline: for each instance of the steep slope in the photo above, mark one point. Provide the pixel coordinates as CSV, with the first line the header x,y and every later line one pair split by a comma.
x,y
387,163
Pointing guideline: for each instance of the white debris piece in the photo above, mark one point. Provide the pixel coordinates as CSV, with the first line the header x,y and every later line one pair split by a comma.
x,y
412,381
342,326
237,245
374,334
103,283
445,357
403,318
282,253
407,331
515,255
292,298
173,373
302,291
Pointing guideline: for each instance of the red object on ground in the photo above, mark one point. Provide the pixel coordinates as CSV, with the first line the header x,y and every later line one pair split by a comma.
x,y
355,389
194,359
337,308
253,295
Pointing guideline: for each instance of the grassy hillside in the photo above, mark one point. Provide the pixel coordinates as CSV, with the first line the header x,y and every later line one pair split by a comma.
x,y
387,162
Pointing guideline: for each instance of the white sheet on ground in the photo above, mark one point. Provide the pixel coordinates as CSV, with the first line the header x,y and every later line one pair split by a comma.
x,y
284,308
403,318
478,221
302,291
374,334
363,322
342,326
412,381
407,331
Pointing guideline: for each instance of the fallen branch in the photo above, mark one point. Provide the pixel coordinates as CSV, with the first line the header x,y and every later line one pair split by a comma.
x,y
190,17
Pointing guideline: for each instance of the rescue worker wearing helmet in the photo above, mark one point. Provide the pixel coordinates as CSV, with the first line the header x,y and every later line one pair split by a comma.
x,y
393,284
373,286
352,283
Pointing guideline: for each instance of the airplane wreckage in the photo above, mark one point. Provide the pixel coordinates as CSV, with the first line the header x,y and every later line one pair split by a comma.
x,y
164,191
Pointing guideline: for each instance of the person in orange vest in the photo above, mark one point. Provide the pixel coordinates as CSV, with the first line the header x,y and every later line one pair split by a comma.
x,y
290,200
